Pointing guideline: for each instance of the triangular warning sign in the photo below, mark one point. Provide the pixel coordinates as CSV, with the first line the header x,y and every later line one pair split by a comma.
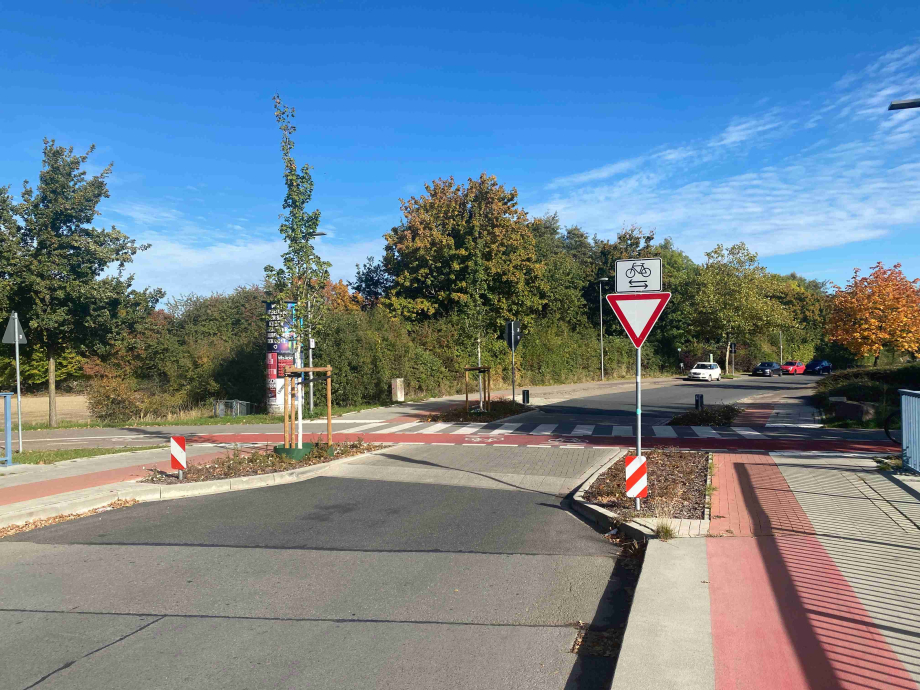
x,y
638,312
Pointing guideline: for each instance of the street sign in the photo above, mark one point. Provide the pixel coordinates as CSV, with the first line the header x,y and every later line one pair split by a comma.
x,y
177,459
638,275
638,313
636,479
14,332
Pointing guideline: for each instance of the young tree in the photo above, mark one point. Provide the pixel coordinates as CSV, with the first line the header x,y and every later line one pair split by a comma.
x,y
303,276
53,262
731,297
877,311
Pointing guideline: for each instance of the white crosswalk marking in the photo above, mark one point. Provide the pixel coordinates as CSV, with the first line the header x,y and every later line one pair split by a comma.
x,y
544,430
433,429
504,429
705,431
747,432
664,431
470,428
400,427
362,428
583,430
622,431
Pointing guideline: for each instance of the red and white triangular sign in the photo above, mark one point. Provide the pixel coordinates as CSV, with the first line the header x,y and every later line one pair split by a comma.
x,y
638,312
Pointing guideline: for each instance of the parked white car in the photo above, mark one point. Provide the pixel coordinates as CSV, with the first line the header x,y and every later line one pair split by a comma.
x,y
705,371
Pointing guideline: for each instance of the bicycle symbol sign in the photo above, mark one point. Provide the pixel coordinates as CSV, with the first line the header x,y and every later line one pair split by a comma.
x,y
638,275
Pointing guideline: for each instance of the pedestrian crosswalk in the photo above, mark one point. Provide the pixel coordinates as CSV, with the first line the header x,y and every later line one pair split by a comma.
x,y
566,430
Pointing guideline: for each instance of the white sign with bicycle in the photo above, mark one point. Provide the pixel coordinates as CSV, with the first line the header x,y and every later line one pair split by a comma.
x,y
638,275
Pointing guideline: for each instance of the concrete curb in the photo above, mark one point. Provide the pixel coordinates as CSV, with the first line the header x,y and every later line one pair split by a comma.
x,y
143,492
640,529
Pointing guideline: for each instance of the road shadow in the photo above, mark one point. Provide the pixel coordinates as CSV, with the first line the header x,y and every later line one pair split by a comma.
x,y
836,641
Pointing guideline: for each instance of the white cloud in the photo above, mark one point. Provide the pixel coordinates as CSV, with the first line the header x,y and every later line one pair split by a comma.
x,y
601,173
855,176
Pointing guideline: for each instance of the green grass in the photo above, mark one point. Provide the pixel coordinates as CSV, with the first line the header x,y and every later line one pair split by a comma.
x,y
320,413
48,457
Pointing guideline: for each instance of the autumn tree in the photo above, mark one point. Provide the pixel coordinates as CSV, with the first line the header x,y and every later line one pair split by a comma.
x,y
881,310
65,277
731,297
339,299
463,247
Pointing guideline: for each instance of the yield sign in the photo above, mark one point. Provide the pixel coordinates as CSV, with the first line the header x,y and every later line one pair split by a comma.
x,y
638,312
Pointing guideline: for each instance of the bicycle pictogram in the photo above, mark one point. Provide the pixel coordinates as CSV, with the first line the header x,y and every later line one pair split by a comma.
x,y
640,268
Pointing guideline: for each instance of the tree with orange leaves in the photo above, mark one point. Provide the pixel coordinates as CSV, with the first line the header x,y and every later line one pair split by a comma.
x,y
338,298
877,311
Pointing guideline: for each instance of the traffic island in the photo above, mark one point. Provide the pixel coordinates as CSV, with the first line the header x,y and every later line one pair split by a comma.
x,y
679,486
253,463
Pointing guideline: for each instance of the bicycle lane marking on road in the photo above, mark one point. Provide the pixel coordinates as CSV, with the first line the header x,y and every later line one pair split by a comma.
x,y
772,580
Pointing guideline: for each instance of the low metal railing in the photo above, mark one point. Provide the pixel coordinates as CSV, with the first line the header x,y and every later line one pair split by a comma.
x,y
910,429
232,408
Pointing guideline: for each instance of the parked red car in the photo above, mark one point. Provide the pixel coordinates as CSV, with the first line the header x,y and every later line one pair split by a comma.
x,y
794,368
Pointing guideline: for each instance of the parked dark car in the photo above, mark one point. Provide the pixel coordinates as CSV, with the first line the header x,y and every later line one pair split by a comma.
x,y
818,366
767,369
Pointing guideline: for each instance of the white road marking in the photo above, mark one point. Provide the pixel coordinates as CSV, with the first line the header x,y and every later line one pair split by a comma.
x,y
470,428
705,431
504,429
400,427
582,430
622,431
544,430
433,429
366,426
664,431
747,432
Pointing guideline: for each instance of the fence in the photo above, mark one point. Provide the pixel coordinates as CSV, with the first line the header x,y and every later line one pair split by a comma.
x,y
910,429
232,408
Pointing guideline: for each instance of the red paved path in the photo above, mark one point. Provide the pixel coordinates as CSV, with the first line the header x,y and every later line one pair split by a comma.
x,y
783,615
755,414
52,487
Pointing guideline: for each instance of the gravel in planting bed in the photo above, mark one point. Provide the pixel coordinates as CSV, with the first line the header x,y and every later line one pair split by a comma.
x,y
248,463
500,408
676,486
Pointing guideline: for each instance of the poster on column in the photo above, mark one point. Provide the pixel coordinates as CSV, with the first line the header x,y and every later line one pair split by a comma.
x,y
280,343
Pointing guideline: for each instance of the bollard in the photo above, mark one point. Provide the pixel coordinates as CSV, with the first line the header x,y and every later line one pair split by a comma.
x,y
525,396
699,401
7,429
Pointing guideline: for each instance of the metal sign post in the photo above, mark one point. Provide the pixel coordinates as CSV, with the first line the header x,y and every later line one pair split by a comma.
x,y
638,304
512,338
14,336
638,412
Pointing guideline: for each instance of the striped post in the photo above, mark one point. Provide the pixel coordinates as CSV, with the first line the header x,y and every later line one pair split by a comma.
x,y
636,479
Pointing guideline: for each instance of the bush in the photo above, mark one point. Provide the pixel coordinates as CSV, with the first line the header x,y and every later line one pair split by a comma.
x,y
711,415
876,385
112,399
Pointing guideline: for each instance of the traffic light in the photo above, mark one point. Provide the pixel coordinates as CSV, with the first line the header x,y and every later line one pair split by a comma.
x,y
513,333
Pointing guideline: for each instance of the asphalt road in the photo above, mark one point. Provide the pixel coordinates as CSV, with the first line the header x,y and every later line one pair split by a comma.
x,y
661,401
329,583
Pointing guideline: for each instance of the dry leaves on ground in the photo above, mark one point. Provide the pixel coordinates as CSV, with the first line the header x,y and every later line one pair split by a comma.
x,y
250,462
44,522
676,486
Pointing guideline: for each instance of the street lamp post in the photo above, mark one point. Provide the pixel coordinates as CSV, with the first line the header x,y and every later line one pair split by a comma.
x,y
904,105
600,306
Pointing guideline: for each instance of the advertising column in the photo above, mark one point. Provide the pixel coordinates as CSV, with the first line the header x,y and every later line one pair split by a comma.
x,y
279,353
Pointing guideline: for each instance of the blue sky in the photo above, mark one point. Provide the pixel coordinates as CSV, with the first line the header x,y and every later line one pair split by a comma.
x,y
710,122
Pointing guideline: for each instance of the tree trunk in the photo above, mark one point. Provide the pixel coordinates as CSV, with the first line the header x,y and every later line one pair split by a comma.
x,y
728,346
875,363
52,401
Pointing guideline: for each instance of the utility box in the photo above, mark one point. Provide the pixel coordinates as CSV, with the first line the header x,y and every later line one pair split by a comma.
x,y
398,388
